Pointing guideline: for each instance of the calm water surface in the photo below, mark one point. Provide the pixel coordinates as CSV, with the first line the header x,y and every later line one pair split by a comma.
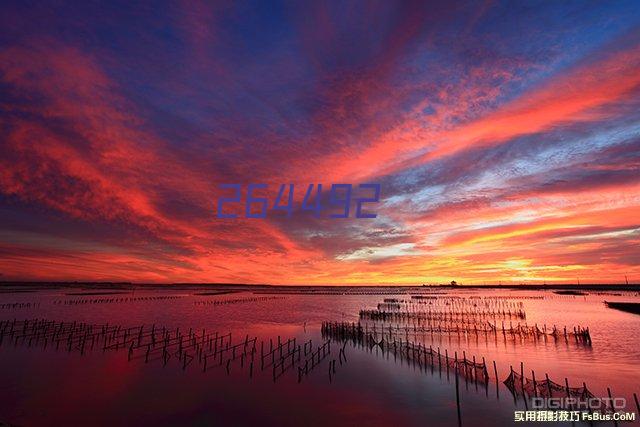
x,y
48,387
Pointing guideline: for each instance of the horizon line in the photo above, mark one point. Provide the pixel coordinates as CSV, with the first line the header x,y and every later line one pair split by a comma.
x,y
326,285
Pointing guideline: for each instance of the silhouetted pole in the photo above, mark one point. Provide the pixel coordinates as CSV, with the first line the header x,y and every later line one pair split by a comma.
x,y
615,423
495,370
458,400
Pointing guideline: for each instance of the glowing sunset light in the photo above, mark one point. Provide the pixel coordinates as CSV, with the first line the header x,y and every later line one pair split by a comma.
x,y
507,145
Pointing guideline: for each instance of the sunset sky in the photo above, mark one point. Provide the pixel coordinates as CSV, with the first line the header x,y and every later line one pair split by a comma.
x,y
505,137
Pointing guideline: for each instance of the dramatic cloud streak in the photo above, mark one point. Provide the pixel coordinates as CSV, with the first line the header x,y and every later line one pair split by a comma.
x,y
507,141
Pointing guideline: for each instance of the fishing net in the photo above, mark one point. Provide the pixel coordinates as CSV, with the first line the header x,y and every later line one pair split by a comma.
x,y
546,388
410,351
391,311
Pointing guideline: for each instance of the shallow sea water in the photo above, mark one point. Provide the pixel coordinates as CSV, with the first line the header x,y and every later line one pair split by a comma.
x,y
48,387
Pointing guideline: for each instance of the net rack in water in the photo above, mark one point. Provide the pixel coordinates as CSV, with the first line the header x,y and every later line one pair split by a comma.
x,y
466,302
407,350
18,305
578,334
235,300
117,300
577,397
439,314
314,359
153,343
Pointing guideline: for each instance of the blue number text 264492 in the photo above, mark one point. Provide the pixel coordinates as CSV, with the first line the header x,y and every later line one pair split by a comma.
x,y
335,201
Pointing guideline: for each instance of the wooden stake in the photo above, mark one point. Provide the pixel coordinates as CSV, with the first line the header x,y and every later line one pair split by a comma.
x,y
458,401
615,423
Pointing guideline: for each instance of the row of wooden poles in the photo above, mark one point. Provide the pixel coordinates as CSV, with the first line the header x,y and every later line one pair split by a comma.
x,y
432,322
469,369
578,334
446,312
518,334
384,311
84,301
520,384
488,310
285,355
418,354
461,302
477,297
435,323
152,343
235,300
116,300
15,305
421,354
458,302
468,321
212,348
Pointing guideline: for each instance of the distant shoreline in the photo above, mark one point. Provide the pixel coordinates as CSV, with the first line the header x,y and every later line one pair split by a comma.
x,y
240,286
